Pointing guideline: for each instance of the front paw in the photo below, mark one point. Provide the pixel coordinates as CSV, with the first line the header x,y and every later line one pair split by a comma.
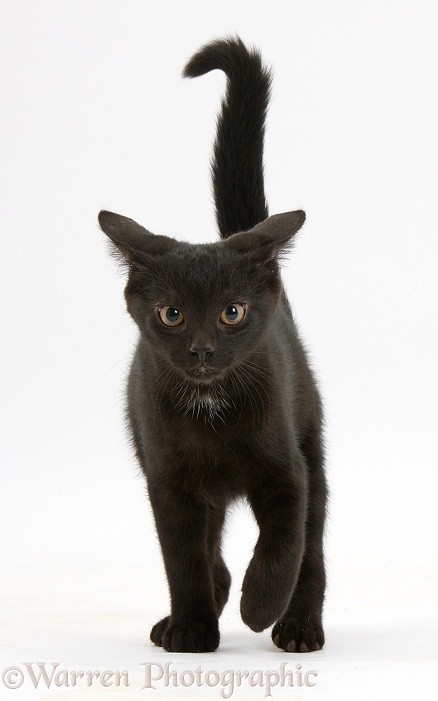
x,y
157,631
196,636
295,635
265,597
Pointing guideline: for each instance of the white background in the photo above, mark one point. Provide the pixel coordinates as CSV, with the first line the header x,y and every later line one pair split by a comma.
x,y
95,115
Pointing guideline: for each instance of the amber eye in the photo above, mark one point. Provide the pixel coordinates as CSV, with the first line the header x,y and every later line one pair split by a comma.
x,y
233,314
170,316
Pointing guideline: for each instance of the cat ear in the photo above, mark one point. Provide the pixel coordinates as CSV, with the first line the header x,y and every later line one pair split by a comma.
x,y
271,237
134,242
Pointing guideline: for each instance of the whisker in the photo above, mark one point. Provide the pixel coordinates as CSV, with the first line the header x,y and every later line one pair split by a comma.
x,y
254,381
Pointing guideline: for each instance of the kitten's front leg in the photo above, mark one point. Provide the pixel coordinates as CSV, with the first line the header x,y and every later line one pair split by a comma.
x,y
279,505
181,521
300,629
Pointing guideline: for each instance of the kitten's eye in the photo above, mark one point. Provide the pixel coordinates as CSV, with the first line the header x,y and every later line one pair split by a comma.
x,y
170,316
233,314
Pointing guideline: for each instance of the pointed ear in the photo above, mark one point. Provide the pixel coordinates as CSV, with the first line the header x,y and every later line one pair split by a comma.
x,y
271,237
134,242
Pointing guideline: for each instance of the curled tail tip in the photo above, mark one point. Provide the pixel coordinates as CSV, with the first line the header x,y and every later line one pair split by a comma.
x,y
223,54
211,56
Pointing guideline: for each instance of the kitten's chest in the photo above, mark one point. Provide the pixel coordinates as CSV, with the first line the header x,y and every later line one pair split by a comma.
x,y
209,451
209,436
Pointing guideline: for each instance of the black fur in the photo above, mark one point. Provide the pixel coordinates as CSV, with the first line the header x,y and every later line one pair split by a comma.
x,y
237,166
219,410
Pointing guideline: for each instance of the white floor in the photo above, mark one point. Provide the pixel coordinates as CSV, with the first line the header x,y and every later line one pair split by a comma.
x,y
381,640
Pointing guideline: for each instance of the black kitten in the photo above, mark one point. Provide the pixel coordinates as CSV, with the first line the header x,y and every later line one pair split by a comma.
x,y
221,401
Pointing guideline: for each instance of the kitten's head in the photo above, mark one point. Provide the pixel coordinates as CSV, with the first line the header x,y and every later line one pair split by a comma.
x,y
203,307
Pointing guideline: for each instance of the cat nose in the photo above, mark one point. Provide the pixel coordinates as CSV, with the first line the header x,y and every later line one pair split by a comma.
x,y
202,353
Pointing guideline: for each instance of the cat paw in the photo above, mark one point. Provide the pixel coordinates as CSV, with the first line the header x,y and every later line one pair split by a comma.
x,y
157,631
295,635
261,604
258,616
266,590
197,636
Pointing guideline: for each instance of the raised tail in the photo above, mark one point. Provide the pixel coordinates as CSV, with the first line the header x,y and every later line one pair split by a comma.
x,y
237,165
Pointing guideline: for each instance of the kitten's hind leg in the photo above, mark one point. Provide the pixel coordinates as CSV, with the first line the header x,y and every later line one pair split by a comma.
x,y
300,628
222,583
221,575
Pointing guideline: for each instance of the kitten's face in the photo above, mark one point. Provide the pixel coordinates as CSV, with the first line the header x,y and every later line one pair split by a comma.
x,y
204,307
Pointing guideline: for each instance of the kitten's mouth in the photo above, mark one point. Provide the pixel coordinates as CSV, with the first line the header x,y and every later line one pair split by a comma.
x,y
204,374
